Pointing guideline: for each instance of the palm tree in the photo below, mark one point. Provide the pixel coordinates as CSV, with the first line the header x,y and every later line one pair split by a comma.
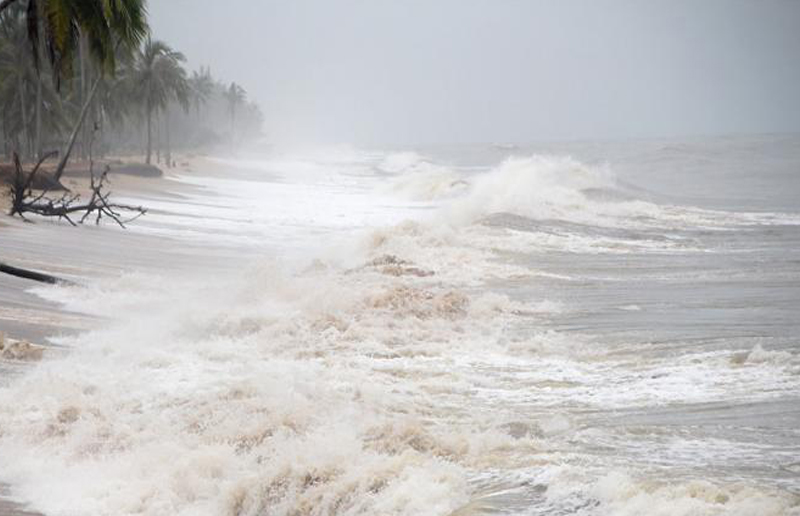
x,y
157,78
235,95
29,103
112,100
59,24
19,77
201,85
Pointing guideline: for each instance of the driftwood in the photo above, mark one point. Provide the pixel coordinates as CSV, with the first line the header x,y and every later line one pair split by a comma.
x,y
67,206
33,275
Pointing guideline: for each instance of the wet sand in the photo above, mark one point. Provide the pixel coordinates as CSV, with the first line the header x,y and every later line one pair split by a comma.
x,y
81,254
8,508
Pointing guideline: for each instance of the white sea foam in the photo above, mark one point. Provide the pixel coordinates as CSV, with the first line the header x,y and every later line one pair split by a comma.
x,y
417,179
556,188
400,162
623,496
387,375
428,183
232,397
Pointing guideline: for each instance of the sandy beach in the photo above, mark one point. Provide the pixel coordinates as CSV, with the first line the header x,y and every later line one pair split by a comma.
x,y
8,508
83,253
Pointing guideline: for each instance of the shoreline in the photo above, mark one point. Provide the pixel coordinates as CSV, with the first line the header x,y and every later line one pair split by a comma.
x,y
84,254
514,337
11,508
25,316
88,251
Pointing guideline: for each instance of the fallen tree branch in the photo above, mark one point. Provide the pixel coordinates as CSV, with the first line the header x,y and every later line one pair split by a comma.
x,y
33,275
24,201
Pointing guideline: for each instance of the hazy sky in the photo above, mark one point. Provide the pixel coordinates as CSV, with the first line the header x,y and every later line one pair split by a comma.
x,y
419,71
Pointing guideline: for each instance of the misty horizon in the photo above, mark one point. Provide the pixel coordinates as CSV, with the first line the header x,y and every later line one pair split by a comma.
x,y
478,71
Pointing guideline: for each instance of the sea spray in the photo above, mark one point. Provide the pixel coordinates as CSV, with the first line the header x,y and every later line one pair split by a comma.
x,y
460,361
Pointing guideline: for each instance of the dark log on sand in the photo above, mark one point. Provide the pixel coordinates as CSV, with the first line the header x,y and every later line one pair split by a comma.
x,y
33,275
23,199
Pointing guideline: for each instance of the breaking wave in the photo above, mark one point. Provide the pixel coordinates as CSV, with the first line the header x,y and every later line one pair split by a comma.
x,y
556,188
403,380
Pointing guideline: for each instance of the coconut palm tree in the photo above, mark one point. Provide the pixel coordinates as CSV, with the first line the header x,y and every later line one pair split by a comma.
x,y
56,28
59,25
235,96
19,78
201,85
158,78
31,104
112,102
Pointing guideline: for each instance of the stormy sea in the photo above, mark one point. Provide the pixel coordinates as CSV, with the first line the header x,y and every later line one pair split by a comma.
x,y
585,328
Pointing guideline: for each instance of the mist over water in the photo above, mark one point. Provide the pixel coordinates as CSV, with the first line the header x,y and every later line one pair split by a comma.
x,y
419,71
586,328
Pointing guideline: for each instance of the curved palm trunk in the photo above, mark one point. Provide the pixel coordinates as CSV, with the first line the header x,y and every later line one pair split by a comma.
x,y
74,136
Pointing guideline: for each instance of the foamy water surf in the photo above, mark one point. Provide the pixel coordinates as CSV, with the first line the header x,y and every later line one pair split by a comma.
x,y
486,330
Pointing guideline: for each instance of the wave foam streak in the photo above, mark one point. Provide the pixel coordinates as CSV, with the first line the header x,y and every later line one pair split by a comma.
x,y
406,378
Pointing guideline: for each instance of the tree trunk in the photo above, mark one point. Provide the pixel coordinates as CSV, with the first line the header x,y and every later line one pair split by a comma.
x,y
84,93
102,134
31,275
37,145
37,137
168,150
23,109
158,139
74,136
149,132
5,136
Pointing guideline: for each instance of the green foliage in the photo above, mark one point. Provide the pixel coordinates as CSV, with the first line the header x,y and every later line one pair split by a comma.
x,y
138,82
56,26
201,88
157,76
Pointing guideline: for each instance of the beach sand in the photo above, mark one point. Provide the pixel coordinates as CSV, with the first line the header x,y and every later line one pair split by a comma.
x,y
80,253
8,508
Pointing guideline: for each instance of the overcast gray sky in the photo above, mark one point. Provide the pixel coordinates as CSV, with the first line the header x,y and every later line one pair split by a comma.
x,y
422,71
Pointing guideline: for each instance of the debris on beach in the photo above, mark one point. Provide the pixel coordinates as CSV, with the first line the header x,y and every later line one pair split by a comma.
x,y
19,350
